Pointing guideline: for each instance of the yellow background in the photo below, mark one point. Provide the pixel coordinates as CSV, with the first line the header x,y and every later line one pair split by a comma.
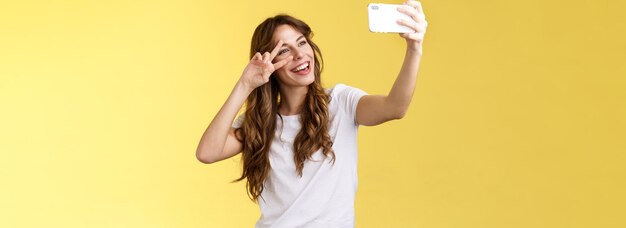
x,y
518,120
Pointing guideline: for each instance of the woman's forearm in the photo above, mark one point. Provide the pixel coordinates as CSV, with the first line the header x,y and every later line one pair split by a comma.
x,y
401,93
214,138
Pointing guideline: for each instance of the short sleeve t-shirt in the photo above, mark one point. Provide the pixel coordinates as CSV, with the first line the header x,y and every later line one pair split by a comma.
x,y
324,195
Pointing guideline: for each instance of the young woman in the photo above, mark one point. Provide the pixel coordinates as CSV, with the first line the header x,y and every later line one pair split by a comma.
x,y
299,140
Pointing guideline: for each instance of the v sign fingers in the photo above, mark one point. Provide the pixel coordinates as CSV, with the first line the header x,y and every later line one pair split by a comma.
x,y
283,62
275,51
261,67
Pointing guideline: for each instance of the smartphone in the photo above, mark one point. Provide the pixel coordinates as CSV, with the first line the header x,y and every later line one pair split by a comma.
x,y
384,17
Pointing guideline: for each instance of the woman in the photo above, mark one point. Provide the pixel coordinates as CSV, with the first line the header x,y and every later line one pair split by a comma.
x,y
299,140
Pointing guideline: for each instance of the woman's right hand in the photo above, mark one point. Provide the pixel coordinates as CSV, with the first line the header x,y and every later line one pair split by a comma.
x,y
258,71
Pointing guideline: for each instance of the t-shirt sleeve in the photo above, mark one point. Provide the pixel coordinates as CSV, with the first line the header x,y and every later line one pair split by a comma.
x,y
238,121
347,97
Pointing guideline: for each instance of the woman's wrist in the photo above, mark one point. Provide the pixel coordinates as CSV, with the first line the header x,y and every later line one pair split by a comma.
x,y
414,49
242,87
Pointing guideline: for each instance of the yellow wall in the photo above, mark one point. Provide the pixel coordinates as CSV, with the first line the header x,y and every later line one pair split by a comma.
x,y
519,117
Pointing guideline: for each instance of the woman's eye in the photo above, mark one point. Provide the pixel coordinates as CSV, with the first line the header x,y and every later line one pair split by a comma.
x,y
282,51
302,43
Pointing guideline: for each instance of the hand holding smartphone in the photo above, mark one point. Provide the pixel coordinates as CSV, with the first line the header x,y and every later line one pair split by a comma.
x,y
384,17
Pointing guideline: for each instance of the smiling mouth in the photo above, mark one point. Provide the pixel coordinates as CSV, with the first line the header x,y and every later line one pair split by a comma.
x,y
304,67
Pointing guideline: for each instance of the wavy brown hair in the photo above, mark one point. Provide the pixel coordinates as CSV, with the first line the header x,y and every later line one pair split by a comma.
x,y
259,125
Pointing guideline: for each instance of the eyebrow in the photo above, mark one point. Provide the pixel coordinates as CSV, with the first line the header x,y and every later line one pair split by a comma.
x,y
299,38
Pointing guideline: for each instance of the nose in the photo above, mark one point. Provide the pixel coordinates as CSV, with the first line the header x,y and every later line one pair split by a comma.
x,y
298,54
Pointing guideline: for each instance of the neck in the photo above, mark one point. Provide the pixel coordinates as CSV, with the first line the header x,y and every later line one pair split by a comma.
x,y
291,100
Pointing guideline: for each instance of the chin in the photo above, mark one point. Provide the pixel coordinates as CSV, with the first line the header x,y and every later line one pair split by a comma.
x,y
300,80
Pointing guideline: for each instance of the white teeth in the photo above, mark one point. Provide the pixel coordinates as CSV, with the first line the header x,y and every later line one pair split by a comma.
x,y
302,67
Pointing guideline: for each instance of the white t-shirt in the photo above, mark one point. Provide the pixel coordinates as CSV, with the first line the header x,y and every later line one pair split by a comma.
x,y
324,195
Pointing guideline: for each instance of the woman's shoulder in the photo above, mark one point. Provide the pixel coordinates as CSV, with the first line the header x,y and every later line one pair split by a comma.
x,y
345,95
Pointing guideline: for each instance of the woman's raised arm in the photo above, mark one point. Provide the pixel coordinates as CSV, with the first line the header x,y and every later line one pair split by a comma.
x,y
377,109
219,141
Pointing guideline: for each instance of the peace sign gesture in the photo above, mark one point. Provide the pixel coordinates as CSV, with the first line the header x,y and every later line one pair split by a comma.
x,y
258,71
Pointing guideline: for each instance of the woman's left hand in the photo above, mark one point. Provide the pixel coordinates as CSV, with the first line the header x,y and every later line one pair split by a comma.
x,y
414,10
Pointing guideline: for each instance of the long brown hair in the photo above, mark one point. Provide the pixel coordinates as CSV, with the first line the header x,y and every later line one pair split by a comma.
x,y
259,125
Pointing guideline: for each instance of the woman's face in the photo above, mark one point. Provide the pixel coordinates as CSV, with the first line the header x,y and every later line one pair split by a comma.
x,y
300,72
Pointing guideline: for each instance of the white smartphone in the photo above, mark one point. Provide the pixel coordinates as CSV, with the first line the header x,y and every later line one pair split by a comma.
x,y
384,17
